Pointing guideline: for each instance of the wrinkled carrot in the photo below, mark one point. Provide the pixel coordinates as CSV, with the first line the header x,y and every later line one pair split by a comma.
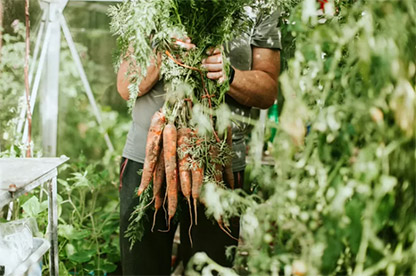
x,y
159,174
184,167
228,168
158,178
197,180
224,228
214,152
169,150
153,142
158,205
197,172
184,135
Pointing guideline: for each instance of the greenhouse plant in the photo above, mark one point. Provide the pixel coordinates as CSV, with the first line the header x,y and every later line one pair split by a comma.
x,y
329,187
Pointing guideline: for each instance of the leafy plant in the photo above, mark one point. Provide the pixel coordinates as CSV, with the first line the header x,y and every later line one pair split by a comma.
x,y
11,82
339,198
88,223
88,219
147,28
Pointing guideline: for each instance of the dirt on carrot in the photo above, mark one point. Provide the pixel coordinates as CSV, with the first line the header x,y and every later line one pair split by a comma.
x,y
158,179
153,143
169,151
228,169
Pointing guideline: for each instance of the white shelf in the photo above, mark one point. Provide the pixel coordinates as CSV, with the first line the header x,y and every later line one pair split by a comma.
x,y
21,175
40,246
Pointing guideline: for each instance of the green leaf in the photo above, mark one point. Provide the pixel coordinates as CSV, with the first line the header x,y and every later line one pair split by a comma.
x,y
32,207
63,271
82,257
80,234
354,210
109,267
70,233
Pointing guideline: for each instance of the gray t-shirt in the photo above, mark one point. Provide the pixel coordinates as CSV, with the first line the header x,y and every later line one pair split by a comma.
x,y
264,34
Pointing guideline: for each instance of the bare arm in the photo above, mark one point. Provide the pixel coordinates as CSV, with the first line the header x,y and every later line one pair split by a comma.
x,y
151,78
153,71
257,87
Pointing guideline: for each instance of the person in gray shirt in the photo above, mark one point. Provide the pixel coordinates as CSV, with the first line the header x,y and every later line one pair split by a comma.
x,y
255,61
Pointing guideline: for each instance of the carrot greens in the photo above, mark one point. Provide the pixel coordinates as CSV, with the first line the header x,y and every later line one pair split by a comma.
x,y
146,29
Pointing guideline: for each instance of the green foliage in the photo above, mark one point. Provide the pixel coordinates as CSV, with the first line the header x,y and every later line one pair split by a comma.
x,y
138,218
145,28
339,199
87,190
11,76
88,219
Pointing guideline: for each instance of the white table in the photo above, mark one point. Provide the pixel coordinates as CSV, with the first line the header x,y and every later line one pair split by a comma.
x,y
21,175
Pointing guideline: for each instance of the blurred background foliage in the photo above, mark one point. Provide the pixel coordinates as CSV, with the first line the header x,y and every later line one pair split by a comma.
x,y
338,197
88,185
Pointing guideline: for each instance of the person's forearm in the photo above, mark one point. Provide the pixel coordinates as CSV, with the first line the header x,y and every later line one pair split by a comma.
x,y
123,80
253,88
256,87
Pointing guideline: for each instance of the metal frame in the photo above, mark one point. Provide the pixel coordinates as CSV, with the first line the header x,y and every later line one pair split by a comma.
x,y
46,75
43,75
52,232
9,192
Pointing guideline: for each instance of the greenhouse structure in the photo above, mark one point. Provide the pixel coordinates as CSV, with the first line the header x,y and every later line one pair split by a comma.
x,y
208,137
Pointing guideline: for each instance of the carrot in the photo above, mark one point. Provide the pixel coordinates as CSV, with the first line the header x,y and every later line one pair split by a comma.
x,y
197,180
197,171
153,142
158,178
228,168
158,205
169,150
184,169
224,228
214,152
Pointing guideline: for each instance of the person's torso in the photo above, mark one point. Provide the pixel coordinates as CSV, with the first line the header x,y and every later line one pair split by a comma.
x,y
240,54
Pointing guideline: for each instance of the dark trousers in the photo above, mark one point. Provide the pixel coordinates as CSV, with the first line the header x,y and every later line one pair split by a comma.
x,y
152,255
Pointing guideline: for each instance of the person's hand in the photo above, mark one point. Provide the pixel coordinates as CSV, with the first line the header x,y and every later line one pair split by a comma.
x,y
184,43
214,65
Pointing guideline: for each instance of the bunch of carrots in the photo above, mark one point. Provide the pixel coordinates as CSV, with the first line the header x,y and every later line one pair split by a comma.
x,y
175,149
173,152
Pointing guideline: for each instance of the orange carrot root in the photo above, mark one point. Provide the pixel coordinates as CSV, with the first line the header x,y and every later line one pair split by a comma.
x,y
154,219
214,153
154,138
158,205
184,166
169,151
197,180
190,226
158,178
148,204
184,135
196,211
221,225
228,169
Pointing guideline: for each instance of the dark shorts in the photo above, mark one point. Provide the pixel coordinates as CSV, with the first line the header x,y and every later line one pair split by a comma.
x,y
152,255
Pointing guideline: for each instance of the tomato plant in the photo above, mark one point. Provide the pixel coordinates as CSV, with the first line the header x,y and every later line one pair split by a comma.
x,y
339,196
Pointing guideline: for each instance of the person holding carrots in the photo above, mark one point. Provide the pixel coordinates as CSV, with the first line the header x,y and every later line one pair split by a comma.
x,y
255,61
